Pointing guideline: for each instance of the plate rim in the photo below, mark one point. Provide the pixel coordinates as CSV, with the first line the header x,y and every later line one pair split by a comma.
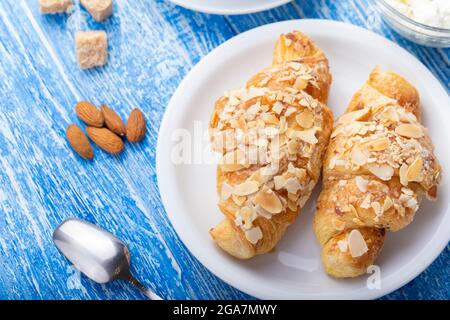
x,y
206,9
395,280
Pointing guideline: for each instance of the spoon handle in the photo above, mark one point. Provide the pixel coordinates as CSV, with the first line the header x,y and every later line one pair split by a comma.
x,y
147,292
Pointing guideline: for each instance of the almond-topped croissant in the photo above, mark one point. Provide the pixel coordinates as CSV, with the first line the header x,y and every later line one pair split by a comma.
x,y
272,136
378,164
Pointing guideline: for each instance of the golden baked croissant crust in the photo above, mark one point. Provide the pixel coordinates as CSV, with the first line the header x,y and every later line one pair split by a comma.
x,y
271,135
378,164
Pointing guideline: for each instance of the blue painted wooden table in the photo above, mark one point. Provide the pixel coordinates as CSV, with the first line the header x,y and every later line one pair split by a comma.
x,y
153,44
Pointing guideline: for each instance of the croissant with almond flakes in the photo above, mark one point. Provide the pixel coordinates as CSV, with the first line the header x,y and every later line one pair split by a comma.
x,y
379,163
272,135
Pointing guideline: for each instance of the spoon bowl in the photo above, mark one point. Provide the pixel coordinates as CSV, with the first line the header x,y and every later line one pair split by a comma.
x,y
96,253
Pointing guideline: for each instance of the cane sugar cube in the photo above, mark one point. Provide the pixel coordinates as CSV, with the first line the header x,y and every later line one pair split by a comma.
x,y
55,6
91,48
99,9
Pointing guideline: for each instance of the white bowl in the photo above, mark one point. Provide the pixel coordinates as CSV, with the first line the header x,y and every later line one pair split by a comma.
x,y
230,7
415,31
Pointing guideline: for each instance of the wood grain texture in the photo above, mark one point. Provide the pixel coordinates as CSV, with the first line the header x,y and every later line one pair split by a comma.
x,y
153,44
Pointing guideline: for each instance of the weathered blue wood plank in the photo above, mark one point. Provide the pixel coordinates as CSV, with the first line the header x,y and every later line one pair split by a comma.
x,y
47,183
153,44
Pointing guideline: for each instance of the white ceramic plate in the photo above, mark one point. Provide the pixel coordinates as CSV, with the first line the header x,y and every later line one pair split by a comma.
x,y
230,6
294,270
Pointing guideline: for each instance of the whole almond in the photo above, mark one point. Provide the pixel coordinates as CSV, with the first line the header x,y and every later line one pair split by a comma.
x,y
113,121
79,142
135,126
105,139
89,113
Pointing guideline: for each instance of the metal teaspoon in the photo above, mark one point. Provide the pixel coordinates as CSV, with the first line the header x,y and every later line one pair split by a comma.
x,y
96,253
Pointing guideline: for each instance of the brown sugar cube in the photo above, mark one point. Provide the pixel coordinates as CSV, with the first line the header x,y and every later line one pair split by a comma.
x,y
55,6
91,48
99,9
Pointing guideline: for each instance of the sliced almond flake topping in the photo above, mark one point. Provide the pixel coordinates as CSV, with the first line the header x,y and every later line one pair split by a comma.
x,y
339,225
271,131
290,133
288,98
292,147
233,101
260,123
414,170
301,174
390,114
309,136
254,235
282,125
251,124
234,123
248,216
263,212
287,42
264,81
289,111
359,157
238,200
229,108
305,119
408,191
285,78
292,205
412,202
291,168
376,206
388,203
353,210
357,244
361,183
253,92
383,172
379,144
279,182
292,185
338,130
400,209
358,221
359,115
308,101
252,111
404,198
409,131
245,188
226,191
300,84
365,204
293,196
302,200
269,170
406,116
342,244
268,200
232,161
268,118
403,174
338,162
238,220
295,65
261,142
277,155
